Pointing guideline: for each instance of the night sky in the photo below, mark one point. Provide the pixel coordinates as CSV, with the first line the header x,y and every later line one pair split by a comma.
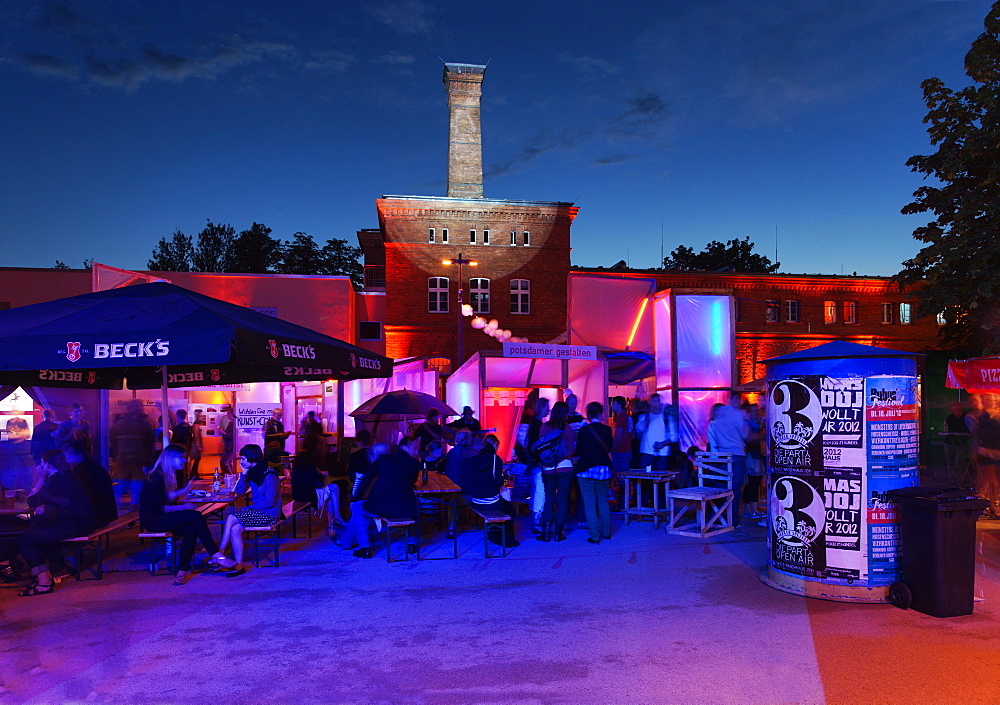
x,y
682,120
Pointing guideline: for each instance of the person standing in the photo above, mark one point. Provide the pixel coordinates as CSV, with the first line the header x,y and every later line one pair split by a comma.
x,y
197,444
274,430
593,449
557,474
729,432
956,443
528,431
180,432
73,427
310,424
41,436
658,428
621,448
132,443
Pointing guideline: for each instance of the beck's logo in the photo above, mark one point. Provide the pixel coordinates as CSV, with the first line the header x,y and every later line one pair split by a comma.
x,y
354,360
72,351
216,375
91,377
274,348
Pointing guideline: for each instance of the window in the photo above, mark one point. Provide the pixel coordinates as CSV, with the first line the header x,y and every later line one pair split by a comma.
x,y
738,310
513,238
941,320
829,311
520,296
526,238
772,312
486,237
887,313
437,295
472,237
369,330
791,312
850,312
904,314
430,234
479,295
444,235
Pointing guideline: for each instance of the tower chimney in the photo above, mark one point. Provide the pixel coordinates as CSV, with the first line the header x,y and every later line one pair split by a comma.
x,y
465,136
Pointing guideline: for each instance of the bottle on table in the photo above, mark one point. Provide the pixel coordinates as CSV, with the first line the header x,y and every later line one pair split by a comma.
x,y
216,482
423,476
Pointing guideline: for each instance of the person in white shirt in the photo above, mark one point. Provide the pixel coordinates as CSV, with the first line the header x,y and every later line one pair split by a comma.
x,y
659,431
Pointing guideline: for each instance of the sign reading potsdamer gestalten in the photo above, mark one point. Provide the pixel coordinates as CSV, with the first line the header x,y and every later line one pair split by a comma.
x,y
550,352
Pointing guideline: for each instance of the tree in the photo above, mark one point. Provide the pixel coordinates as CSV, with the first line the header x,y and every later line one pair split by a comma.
x,y
256,251
956,270
302,256
735,256
173,255
339,258
214,252
60,265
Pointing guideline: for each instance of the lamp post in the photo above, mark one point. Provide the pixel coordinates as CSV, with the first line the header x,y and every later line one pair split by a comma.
x,y
460,261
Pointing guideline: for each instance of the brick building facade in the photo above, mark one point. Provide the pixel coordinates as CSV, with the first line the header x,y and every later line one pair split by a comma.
x,y
780,313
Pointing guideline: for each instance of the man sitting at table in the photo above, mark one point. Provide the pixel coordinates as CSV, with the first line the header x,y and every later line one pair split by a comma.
x,y
95,480
385,491
482,484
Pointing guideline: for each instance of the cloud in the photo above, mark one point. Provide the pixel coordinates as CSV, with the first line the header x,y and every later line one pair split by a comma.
x,y
640,119
329,61
590,66
48,65
407,17
153,64
395,58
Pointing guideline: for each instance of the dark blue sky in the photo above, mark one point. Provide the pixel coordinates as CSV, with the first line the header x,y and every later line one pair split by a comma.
x,y
123,121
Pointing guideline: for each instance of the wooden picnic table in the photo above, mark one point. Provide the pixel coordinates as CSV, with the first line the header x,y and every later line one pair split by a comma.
x,y
439,490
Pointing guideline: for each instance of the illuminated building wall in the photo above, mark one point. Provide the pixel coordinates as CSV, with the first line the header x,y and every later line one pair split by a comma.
x,y
781,313
539,256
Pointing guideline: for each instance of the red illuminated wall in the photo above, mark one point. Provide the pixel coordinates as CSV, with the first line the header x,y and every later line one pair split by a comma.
x,y
757,340
410,260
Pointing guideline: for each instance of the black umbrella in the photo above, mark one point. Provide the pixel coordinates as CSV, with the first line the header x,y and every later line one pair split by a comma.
x,y
400,405
149,334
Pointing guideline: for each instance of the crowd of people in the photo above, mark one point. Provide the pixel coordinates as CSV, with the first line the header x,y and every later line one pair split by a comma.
x,y
972,448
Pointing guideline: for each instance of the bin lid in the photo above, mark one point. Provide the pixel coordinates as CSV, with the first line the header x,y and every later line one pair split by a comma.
x,y
943,498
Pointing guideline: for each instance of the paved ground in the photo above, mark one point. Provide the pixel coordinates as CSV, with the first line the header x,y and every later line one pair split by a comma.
x,y
642,618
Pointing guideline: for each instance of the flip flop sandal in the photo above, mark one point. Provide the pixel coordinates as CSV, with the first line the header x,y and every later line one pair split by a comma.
x,y
36,589
236,573
222,562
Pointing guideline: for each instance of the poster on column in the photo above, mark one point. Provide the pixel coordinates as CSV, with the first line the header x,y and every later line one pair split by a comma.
x,y
815,428
891,413
250,421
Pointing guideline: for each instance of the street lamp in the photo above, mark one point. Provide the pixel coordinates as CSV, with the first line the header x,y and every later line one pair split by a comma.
x,y
460,261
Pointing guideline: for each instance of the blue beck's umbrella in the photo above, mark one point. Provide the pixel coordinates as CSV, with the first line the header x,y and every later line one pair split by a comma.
x,y
138,333
400,405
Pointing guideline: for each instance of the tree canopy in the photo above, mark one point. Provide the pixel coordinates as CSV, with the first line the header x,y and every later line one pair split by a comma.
x,y
957,267
735,256
220,249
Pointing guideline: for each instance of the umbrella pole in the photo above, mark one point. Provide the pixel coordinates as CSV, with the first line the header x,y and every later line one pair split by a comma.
x,y
164,413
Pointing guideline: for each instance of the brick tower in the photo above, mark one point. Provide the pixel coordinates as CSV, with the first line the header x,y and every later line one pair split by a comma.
x,y
522,251
464,84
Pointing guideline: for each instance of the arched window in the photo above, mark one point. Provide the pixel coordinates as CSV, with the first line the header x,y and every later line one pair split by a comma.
x,y
479,295
437,295
520,296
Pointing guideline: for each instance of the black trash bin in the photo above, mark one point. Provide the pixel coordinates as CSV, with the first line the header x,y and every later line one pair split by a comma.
x,y
937,533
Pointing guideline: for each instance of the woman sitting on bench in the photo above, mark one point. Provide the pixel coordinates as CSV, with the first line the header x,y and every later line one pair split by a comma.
x,y
264,509
484,479
159,512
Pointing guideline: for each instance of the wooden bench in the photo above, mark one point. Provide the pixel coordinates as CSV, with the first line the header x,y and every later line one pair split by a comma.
x,y
388,526
97,541
490,518
157,537
272,530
